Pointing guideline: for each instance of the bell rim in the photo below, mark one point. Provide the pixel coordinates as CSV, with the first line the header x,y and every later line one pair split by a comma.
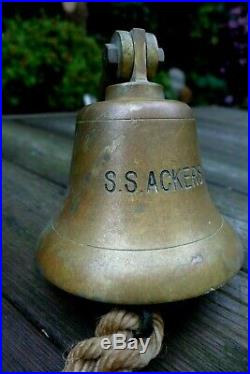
x,y
208,270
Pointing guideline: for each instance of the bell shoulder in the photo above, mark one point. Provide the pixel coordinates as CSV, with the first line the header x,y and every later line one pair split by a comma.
x,y
135,109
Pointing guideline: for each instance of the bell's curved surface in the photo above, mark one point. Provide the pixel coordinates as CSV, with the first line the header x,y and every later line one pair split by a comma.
x,y
138,225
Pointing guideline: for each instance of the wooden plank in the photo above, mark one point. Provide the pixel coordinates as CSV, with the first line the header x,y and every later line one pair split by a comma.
x,y
229,134
205,333
61,123
25,348
42,152
238,288
228,149
231,203
26,212
225,116
242,230
225,174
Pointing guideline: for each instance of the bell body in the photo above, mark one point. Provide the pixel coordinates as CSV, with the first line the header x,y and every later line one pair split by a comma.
x,y
138,225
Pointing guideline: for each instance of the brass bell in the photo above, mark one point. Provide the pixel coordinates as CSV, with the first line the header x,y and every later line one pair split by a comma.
x,y
138,225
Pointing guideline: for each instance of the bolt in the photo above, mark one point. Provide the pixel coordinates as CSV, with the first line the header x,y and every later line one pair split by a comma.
x,y
111,53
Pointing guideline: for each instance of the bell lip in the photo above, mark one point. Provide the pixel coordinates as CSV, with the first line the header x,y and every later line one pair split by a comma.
x,y
227,260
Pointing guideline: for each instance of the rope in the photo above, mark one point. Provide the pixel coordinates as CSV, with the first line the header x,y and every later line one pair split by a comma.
x,y
90,356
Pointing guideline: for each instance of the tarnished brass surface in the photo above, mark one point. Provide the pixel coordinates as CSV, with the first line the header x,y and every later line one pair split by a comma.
x,y
138,225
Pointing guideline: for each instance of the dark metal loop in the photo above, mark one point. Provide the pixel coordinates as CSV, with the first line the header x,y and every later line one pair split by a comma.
x,y
146,324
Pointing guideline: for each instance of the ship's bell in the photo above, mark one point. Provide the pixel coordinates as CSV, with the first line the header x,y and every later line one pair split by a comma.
x,y
138,225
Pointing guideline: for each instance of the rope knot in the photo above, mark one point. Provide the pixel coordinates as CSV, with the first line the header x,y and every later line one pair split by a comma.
x,y
141,340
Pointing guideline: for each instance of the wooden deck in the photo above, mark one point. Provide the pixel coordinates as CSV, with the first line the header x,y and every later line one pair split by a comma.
x,y
41,322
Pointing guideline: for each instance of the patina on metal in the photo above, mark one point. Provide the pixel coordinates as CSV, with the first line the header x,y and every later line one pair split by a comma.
x,y
138,225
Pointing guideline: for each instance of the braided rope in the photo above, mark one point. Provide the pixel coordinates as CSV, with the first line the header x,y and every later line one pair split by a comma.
x,y
89,356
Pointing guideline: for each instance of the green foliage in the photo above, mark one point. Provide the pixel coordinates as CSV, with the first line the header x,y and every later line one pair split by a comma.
x,y
207,86
49,63
209,20
209,81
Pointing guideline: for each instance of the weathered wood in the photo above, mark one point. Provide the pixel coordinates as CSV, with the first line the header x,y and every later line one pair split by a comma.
x,y
225,116
61,123
37,150
230,202
225,173
216,132
227,149
25,348
208,333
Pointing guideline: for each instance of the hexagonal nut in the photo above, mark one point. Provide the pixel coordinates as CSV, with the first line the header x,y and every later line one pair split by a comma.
x,y
111,53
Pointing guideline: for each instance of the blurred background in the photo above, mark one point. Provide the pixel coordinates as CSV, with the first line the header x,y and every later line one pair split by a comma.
x,y
52,52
